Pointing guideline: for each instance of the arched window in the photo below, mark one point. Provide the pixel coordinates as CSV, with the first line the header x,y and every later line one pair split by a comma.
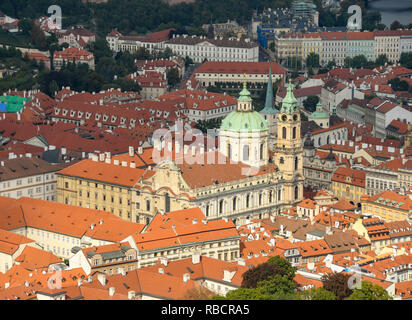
x,y
279,195
207,210
247,201
296,163
327,140
234,203
260,199
221,206
147,205
167,202
229,151
319,143
284,132
296,192
246,152
270,196
261,151
282,161
294,133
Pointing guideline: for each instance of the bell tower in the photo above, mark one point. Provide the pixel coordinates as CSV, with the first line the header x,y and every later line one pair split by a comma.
x,y
289,149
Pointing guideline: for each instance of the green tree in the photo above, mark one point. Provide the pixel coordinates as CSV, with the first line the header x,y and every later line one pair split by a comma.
x,y
406,59
337,283
332,64
173,77
274,266
396,25
399,85
167,53
53,88
312,60
381,60
294,63
316,294
368,291
25,26
310,103
188,61
38,37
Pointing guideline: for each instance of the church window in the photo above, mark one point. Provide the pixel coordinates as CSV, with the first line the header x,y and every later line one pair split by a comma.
x,y
221,206
296,192
296,163
261,151
229,151
284,132
247,201
282,161
294,133
246,152
234,203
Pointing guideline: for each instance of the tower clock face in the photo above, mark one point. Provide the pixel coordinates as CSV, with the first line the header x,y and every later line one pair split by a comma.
x,y
284,117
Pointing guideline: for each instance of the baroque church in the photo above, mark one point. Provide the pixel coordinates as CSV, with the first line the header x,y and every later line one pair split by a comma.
x,y
261,175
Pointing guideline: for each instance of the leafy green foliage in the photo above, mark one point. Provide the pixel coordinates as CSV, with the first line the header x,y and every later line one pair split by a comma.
x,y
316,294
310,103
359,61
406,59
369,292
312,60
265,271
337,283
204,125
399,85
172,76
381,60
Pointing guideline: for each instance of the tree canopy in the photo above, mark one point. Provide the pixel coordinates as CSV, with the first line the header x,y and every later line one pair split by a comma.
x,y
368,291
337,283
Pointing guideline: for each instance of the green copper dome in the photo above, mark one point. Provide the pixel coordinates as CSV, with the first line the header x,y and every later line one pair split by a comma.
x,y
241,120
244,121
244,95
319,113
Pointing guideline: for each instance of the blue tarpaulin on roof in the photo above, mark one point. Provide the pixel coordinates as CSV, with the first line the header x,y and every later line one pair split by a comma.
x,y
3,107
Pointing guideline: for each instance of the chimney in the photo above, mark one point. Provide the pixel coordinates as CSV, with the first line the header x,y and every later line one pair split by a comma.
x,y
241,262
102,279
164,261
161,271
7,285
140,150
195,258
204,221
131,295
186,277
124,163
79,282
194,221
111,291
131,151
